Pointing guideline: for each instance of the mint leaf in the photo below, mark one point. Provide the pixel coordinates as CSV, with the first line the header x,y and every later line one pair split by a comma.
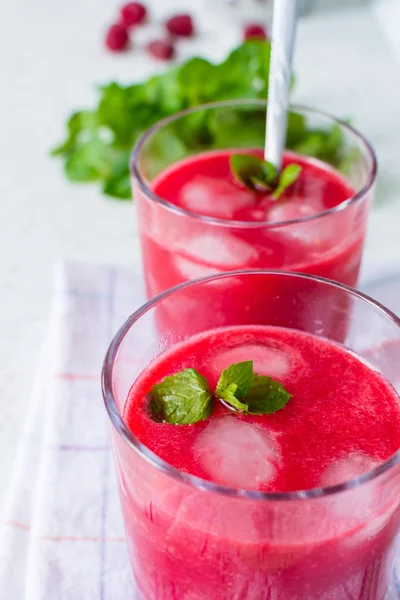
x,y
182,399
253,172
198,78
80,124
89,162
234,383
228,395
266,395
245,72
250,393
288,176
118,182
239,374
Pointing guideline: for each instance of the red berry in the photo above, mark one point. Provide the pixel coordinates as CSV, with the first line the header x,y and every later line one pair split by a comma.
x,y
133,13
162,49
255,31
117,38
181,25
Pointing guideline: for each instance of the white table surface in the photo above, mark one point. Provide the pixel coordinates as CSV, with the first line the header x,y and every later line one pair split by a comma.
x,y
50,58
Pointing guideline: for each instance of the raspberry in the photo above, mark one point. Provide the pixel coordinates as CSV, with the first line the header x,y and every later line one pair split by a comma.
x,y
162,49
133,13
254,31
117,38
180,25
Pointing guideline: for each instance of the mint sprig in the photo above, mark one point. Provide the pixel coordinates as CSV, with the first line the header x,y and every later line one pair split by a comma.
x,y
99,140
248,392
259,175
254,173
185,398
182,399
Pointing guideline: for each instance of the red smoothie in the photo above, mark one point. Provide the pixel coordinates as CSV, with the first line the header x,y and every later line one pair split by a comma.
x,y
342,420
177,247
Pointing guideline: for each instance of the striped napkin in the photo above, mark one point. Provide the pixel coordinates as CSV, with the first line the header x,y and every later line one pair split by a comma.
x,y
61,534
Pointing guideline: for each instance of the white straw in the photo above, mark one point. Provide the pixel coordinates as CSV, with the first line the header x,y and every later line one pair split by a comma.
x,y
283,36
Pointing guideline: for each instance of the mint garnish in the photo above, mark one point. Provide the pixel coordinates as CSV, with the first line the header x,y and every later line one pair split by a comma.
x,y
266,395
248,392
182,399
259,175
185,398
288,176
253,172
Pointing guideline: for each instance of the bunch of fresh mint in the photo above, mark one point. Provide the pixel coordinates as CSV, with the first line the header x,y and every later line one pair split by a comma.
x,y
99,141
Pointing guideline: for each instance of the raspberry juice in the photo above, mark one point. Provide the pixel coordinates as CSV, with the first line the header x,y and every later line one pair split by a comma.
x,y
231,228
342,421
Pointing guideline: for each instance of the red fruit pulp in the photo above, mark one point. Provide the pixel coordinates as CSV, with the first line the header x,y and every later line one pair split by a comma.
x,y
342,420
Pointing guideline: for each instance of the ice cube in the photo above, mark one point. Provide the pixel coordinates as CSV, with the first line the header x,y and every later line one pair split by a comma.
x,y
371,526
344,469
213,197
213,518
291,210
267,360
361,510
318,234
351,505
222,250
192,270
316,191
237,454
256,214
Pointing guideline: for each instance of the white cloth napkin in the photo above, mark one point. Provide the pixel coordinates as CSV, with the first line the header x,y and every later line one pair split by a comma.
x,y
61,534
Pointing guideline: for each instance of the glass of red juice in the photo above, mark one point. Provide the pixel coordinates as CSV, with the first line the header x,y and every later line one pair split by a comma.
x,y
196,220
301,504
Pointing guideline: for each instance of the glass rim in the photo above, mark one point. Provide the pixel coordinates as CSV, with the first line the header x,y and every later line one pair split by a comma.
x,y
140,179
197,482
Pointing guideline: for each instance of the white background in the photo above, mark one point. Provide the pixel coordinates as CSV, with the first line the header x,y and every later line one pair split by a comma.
x,y
51,58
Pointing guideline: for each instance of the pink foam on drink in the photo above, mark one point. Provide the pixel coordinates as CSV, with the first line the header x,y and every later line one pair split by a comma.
x,y
342,420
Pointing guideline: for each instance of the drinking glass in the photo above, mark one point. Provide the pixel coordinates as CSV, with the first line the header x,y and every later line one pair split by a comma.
x,y
178,245
192,539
